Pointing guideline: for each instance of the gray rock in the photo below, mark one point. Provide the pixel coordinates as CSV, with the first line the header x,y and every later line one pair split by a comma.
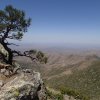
x,y
24,86
3,71
67,97
7,73
1,83
3,51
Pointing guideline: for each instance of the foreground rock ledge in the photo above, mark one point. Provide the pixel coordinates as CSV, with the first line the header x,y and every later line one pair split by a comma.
x,y
26,85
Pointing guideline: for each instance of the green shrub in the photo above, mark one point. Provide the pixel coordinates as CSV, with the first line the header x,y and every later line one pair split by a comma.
x,y
74,93
54,96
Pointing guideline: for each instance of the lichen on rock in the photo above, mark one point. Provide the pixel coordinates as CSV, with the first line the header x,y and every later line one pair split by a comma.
x,y
25,85
3,51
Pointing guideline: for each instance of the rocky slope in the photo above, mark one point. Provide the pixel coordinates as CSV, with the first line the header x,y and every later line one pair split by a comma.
x,y
23,85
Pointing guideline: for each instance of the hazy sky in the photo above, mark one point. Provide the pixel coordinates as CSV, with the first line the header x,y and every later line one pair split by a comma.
x,y
60,21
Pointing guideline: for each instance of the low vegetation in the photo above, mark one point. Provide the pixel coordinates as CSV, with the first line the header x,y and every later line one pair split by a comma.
x,y
54,96
86,82
74,93
59,95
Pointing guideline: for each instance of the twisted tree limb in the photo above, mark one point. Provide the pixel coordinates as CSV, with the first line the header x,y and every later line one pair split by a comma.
x,y
25,53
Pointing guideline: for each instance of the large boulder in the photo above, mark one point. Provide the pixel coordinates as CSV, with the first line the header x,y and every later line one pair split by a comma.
x,y
3,51
25,85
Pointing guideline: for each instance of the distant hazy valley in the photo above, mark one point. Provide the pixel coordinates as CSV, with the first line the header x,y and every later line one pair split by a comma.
x,y
70,68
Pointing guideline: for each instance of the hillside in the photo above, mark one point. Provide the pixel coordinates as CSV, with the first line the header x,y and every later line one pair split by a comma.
x,y
76,72
85,81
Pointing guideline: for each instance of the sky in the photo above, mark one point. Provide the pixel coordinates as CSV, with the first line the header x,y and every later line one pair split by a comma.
x,y
60,21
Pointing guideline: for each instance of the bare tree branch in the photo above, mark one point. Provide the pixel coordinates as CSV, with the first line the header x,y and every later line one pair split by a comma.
x,y
12,44
26,54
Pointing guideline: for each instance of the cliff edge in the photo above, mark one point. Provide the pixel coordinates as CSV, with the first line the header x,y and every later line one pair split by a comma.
x,y
23,85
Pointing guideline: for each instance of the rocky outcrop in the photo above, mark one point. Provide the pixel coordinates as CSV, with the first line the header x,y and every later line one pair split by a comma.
x,y
25,85
3,51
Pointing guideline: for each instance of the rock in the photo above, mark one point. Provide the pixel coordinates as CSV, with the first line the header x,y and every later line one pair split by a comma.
x,y
16,67
3,51
9,70
67,97
24,86
6,69
7,73
3,70
1,83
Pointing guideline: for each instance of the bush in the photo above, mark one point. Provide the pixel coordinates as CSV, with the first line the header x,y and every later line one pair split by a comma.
x,y
74,93
54,96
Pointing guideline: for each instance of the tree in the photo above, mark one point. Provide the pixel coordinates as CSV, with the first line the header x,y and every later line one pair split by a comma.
x,y
13,24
